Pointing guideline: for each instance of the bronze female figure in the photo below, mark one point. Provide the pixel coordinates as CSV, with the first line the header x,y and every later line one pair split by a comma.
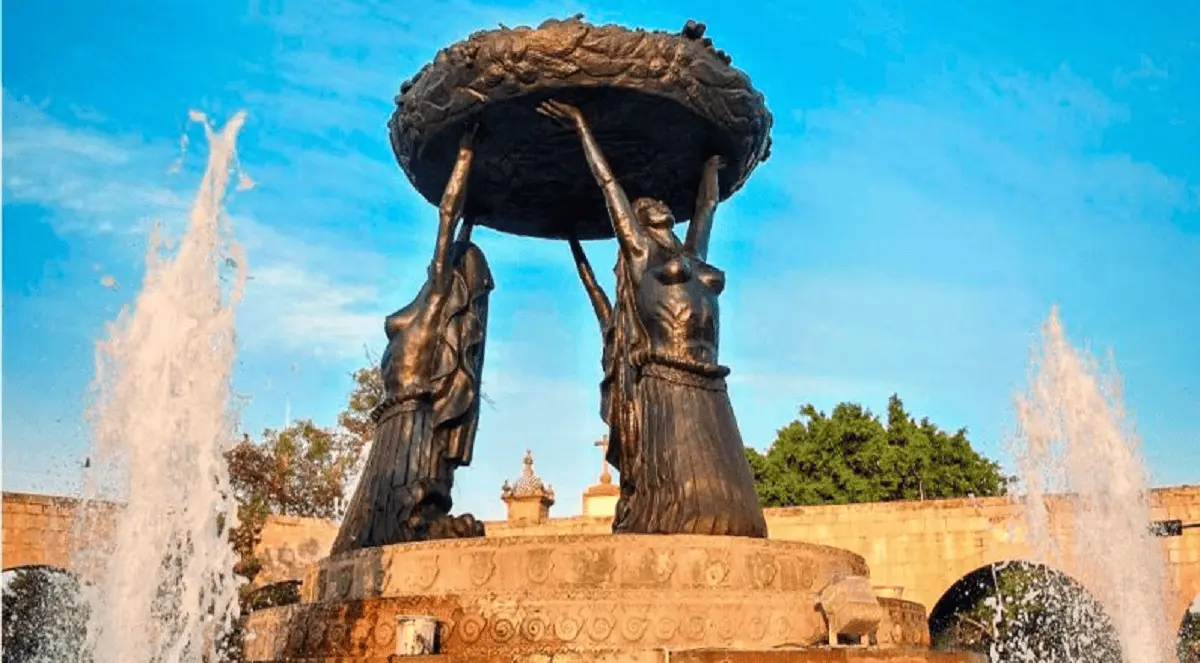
x,y
678,447
431,373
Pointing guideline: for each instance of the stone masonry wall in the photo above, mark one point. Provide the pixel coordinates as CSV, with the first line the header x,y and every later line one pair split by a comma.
x,y
920,547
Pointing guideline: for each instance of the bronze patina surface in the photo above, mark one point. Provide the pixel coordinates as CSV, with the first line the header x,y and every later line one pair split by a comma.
x,y
672,431
431,371
660,103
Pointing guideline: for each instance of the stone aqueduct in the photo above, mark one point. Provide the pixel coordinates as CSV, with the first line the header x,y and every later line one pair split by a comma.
x,y
919,549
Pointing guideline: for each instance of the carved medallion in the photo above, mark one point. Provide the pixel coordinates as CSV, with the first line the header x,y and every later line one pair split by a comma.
x,y
425,571
695,627
481,567
715,573
756,627
727,629
540,565
343,580
806,573
763,570
780,627
335,638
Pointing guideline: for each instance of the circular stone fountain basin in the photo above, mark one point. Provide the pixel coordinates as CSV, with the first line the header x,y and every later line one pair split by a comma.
x,y
598,597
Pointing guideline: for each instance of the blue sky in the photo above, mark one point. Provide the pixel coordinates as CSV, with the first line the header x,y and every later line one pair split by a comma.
x,y
941,176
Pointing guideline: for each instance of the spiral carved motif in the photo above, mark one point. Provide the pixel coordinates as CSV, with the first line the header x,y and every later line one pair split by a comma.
x,y
385,634
694,627
534,628
599,594
503,630
600,628
471,628
659,103
634,627
666,628
567,628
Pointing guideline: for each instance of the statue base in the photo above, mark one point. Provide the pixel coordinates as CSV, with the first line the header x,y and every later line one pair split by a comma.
x,y
627,598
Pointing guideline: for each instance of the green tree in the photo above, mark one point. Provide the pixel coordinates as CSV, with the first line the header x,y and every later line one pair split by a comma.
x,y
851,456
355,424
45,617
302,470
298,471
366,393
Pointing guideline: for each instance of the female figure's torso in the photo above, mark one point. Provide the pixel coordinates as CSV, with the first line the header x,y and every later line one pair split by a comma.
x,y
405,364
677,304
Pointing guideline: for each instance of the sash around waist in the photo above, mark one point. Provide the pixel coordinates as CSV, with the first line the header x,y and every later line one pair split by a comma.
x,y
409,399
681,370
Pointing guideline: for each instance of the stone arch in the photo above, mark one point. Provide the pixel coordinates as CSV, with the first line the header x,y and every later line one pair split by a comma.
x,y
950,628
1189,598
45,568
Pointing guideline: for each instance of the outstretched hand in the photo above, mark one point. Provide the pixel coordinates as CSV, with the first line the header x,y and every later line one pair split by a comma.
x,y
563,112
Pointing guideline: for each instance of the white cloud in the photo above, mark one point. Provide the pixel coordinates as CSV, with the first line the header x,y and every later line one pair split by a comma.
x,y
290,308
312,294
1146,70
954,164
926,235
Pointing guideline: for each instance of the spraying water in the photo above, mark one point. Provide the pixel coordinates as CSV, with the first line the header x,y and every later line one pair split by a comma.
x,y
163,589
1074,439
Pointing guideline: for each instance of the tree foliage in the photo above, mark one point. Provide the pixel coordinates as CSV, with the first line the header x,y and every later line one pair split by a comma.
x,y
851,456
355,421
302,470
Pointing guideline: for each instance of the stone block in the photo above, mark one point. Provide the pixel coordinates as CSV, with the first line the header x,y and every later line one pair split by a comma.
x,y
851,609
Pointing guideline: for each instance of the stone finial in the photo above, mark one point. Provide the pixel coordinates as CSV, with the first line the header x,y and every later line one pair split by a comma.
x,y
601,499
605,475
528,498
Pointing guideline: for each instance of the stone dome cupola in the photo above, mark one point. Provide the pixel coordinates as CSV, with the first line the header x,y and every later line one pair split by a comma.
x,y
528,498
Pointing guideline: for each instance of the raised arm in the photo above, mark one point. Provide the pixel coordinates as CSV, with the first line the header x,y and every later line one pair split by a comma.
x,y
700,229
450,210
626,227
464,231
599,298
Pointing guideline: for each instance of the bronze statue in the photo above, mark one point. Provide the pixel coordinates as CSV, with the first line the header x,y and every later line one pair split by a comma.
x,y
674,436
431,375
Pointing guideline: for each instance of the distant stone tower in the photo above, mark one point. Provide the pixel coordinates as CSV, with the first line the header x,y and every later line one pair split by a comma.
x,y
600,500
528,500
